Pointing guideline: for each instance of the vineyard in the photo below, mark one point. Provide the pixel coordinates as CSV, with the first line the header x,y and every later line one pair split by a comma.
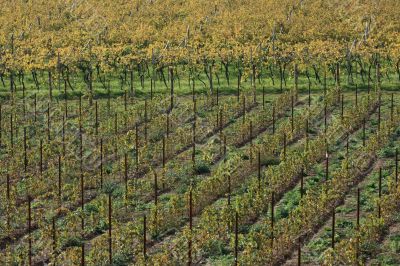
x,y
196,132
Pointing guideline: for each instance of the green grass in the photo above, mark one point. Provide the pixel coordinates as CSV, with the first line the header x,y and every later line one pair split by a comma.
x,y
182,86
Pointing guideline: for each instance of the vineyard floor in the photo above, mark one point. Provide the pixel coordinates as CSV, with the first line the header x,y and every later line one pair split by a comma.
x,y
346,213
242,139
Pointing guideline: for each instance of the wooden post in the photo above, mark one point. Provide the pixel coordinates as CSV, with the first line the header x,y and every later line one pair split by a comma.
x,y
217,95
125,101
8,188
190,209
101,163
194,111
155,200
221,120
368,83
163,152
217,122
167,125
244,109
144,237
363,137
229,190
238,85
337,74
48,122
155,189
358,208
137,148
63,135
1,127
396,165
327,163
358,223
193,91
116,123
171,73
253,69
80,107
273,119
284,146
379,112
54,235
35,108
108,98
82,185
292,112
65,99
272,218
263,98
333,228
211,83
309,94
302,183
259,169
59,179
236,238
380,192
23,100
83,254
296,80
131,79
194,146
190,228
299,252
12,134
356,96
251,133
224,145
378,76
29,230
145,121
109,229
41,156
391,109
342,107
96,124
25,151
126,175
325,117
307,126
